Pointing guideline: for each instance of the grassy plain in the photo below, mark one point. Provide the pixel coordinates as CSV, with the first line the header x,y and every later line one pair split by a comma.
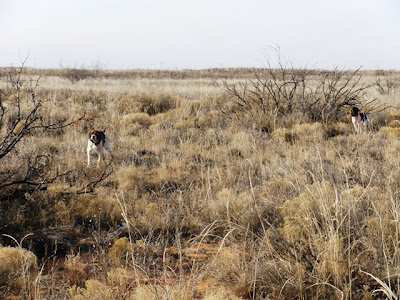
x,y
200,204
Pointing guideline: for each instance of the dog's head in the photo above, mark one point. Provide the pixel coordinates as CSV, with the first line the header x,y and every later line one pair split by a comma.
x,y
354,111
97,136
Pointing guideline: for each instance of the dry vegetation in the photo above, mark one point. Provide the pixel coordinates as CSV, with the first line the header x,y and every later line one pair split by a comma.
x,y
224,184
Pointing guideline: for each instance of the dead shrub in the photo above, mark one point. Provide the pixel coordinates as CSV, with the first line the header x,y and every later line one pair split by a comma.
x,y
76,74
287,91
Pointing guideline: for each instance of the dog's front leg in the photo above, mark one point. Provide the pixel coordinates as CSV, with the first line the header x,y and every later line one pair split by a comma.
x,y
356,127
100,156
88,156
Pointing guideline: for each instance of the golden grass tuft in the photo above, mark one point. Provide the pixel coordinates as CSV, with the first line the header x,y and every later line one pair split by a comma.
x,y
18,268
391,132
121,251
94,289
283,135
76,272
338,128
309,132
170,292
394,123
156,104
232,272
237,209
103,208
57,189
220,294
132,123
121,279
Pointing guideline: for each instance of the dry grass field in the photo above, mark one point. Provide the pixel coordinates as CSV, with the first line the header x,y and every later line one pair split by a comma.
x,y
222,184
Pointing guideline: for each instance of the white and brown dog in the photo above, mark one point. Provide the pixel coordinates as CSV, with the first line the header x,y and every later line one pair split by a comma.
x,y
97,141
359,119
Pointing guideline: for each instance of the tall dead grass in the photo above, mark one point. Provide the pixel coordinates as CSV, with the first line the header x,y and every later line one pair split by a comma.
x,y
306,210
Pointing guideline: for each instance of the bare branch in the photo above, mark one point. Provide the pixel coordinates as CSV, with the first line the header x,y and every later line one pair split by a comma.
x,y
286,90
20,115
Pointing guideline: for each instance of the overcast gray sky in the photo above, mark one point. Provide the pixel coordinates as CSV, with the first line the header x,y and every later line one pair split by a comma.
x,y
180,34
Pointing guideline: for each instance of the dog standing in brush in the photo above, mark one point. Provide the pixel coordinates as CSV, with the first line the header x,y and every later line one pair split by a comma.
x,y
358,119
97,141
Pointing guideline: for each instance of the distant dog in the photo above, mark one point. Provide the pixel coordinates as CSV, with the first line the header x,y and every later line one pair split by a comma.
x,y
97,141
359,119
